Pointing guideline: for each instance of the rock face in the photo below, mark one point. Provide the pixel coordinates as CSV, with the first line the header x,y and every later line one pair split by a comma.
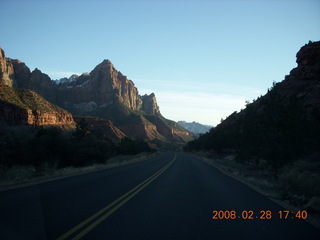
x,y
309,55
104,93
38,118
6,70
102,86
105,127
21,74
19,106
110,85
149,104
303,82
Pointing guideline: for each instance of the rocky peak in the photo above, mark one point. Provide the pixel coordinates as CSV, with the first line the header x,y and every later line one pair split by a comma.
x,y
42,84
111,85
308,60
309,54
303,82
21,73
104,70
6,70
107,62
2,53
149,104
73,77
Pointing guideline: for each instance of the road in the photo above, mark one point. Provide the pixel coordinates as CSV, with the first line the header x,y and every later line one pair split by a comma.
x,y
171,196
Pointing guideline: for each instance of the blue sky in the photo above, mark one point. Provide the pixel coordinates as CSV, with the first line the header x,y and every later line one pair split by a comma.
x,y
201,58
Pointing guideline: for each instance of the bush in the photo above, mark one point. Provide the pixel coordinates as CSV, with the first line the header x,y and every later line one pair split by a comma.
x,y
15,144
295,182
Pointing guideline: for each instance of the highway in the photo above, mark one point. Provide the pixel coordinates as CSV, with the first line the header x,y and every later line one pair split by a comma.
x,y
170,196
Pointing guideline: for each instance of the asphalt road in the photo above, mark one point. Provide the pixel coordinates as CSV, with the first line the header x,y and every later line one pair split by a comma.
x,y
171,196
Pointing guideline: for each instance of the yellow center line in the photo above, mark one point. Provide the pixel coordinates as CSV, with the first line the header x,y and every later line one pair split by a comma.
x,y
127,196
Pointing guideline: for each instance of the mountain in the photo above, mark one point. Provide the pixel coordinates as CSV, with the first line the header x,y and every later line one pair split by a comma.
x,y
104,93
282,125
195,127
103,86
25,106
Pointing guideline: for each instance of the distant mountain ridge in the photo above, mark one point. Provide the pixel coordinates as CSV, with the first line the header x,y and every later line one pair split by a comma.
x,y
195,127
104,93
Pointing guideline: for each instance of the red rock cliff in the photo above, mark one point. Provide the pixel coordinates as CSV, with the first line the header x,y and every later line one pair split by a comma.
x,y
6,70
26,107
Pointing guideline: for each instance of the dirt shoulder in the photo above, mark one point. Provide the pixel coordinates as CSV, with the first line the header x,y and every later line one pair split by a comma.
x,y
256,179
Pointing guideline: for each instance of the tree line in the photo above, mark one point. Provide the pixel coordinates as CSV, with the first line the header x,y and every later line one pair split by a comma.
x,y
54,147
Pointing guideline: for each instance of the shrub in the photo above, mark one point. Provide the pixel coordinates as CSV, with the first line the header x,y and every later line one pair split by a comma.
x,y
295,182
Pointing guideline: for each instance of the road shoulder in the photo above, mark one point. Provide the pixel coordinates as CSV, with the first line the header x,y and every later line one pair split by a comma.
x,y
269,193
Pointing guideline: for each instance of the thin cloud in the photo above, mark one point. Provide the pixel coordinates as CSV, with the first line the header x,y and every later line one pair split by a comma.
x,y
201,107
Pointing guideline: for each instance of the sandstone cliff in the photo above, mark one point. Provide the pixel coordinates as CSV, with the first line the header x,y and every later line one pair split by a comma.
x,y
19,106
149,104
6,70
104,85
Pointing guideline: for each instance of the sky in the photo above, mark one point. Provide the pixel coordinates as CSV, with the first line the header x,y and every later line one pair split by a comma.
x,y
202,58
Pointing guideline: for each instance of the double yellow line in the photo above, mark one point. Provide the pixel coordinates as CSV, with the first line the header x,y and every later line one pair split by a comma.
x,y
112,207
